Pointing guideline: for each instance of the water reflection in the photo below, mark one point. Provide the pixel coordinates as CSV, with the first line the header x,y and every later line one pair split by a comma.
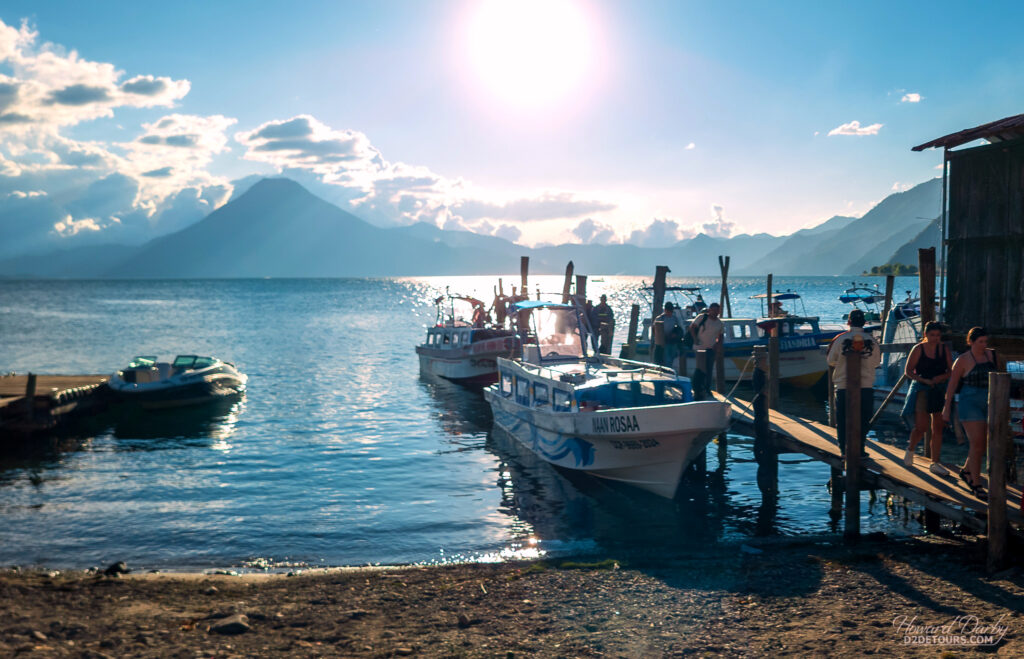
x,y
215,420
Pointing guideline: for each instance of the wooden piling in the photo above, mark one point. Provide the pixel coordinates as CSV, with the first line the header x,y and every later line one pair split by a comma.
x,y
773,369
524,274
890,283
30,396
634,323
764,450
581,288
838,489
567,283
660,275
926,281
720,368
723,299
501,290
851,531
998,445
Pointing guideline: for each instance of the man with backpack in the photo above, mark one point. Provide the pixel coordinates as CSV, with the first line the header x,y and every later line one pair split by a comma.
x,y
672,333
706,332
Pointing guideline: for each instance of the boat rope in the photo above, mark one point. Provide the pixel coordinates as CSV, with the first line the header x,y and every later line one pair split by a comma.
x,y
740,378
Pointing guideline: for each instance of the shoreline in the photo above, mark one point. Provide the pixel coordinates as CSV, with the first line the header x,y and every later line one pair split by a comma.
x,y
798,598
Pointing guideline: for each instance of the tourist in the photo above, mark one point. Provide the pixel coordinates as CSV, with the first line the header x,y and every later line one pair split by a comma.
x,y
708,331
854,340
928,368
970,379
605,325
671,335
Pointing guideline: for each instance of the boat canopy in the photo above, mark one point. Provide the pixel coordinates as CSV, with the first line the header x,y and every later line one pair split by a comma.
x,y
776,296
866,298
527,305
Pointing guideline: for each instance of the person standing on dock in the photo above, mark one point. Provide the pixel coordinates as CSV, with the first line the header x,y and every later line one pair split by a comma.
x,y
605,324
871,356
970,379
708,331
671,333
928,368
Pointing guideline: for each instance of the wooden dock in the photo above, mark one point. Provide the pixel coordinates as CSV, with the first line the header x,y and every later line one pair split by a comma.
x,y
883,468
34,403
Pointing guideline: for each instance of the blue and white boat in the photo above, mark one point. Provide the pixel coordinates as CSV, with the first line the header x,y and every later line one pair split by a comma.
x,y
612,418
188,380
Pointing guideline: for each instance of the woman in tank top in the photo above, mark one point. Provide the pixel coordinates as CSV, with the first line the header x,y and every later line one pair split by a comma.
x,y
970,375
928,368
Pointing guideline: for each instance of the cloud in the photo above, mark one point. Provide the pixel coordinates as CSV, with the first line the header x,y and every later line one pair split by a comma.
x,y
661,232
691,146
146,86
854,128
79,95
162,172
911,97
590,230
718,227
546,206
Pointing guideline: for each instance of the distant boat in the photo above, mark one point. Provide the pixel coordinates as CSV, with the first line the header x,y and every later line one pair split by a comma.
x,y
611,418
189,380
461,350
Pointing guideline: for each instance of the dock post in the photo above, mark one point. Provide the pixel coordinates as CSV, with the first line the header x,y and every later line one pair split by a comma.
x,y
764,451
30,396
581,288
720,368
524,274
773,369
851,532
567,283
660,275
723,298
998,442
634,323
890,283
926,282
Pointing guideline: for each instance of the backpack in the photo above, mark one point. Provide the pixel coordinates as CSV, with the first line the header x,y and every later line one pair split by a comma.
x,y
688,335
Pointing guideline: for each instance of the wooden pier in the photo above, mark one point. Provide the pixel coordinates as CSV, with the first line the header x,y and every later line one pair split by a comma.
x,y
37,403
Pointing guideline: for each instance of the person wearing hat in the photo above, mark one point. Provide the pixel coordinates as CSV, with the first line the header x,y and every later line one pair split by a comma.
x,y
604,324
672,333
856,339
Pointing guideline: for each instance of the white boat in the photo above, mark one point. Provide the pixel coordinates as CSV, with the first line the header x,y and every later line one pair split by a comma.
x,y
188,380
612,418
460,350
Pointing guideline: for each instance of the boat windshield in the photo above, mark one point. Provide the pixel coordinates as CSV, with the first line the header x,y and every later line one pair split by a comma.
x,y
142,361
558,334
193,361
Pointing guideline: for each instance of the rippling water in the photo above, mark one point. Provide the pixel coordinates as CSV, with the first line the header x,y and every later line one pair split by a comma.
x,y
340,453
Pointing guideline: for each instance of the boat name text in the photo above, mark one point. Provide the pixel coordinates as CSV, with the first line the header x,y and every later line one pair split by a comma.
x,y
624,423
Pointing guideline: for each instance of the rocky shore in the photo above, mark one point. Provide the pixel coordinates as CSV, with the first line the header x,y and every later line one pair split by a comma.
x,y
795,598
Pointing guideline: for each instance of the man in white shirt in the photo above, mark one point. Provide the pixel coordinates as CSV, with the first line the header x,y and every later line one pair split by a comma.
x,y
871,356
708,331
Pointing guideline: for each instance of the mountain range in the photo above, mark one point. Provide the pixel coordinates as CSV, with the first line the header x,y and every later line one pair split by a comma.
x,y
277,228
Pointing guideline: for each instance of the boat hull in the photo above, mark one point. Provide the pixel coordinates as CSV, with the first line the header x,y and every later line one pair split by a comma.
x,y
198,392
798,366
476,364
647,447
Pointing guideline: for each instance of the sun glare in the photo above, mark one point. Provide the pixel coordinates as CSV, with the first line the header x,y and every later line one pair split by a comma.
x,y
530,54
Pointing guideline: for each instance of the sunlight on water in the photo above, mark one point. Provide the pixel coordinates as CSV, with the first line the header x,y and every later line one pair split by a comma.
x,y
340,453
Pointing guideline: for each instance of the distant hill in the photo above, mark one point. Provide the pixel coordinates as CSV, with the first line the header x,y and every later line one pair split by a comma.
x,y
274,227
859,244
930,236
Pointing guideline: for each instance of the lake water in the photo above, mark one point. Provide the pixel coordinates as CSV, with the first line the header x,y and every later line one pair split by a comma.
x,y
340,453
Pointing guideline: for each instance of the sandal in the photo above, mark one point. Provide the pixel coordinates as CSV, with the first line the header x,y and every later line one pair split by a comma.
x,y
979,492
965,476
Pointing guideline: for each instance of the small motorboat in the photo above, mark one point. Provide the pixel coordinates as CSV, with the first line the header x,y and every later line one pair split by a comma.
x,y
611,418
188,380
463,345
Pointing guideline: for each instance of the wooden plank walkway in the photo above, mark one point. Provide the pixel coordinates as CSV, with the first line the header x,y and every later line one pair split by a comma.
x,y
883,468
56,397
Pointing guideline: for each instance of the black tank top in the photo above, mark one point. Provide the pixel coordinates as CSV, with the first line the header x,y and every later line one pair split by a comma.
x,y
928,367
978,377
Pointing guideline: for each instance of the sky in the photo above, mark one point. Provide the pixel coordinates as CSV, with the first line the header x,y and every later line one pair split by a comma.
x,y
539,121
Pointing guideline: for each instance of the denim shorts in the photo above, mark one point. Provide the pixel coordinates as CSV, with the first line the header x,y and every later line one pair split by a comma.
x,y
973,404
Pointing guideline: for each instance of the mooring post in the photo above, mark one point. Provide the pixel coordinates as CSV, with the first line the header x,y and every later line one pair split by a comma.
x,y
720,368
660,276
581,288
926,282
853,447
773,368
524,274
764,450
723,298
998,442
634,323
890,283
30,396
567,283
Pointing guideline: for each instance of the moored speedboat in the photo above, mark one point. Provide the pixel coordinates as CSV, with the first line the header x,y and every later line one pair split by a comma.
x,y
612,418
188,380
461,350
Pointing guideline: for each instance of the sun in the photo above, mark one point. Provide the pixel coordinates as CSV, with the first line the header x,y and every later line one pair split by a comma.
x,y
530,54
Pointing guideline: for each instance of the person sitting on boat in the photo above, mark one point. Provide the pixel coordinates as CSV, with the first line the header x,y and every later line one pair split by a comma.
x,y
699,304
855,339
929,365
479,316
672,333
708,332
776,310
969,378
604,324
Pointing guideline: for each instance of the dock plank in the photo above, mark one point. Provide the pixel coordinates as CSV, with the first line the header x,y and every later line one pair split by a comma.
x,y
14,385
947,495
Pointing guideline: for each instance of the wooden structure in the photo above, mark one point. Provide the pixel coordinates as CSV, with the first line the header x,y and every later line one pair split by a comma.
x,y
983,230
34,403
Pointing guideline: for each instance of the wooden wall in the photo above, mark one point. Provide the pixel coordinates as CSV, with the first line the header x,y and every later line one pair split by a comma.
x,y
985,275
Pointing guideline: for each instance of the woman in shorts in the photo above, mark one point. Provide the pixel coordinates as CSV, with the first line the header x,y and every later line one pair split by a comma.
x,y
928,367
970,377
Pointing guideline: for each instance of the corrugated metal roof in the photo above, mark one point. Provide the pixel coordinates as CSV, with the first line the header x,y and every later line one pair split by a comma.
x,y
997,131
